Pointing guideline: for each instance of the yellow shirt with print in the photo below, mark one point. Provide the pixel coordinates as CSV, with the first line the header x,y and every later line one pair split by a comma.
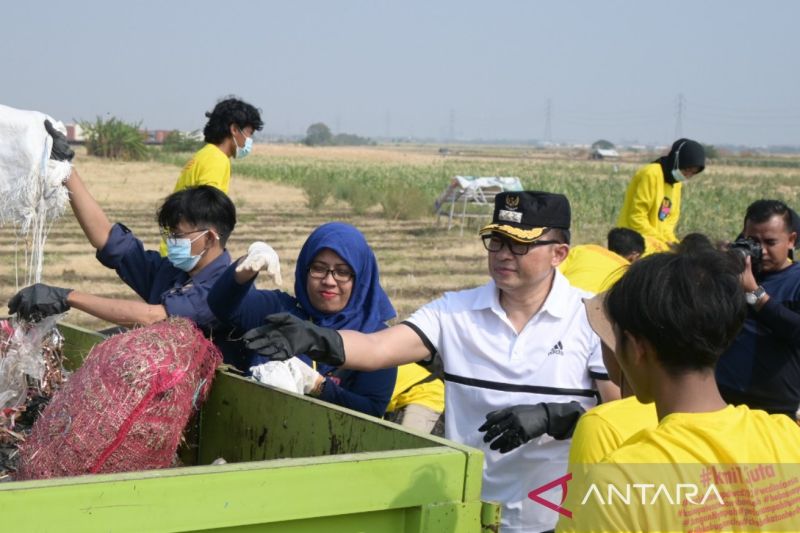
x,y
652,207
593,268
208,166
406,391
749,458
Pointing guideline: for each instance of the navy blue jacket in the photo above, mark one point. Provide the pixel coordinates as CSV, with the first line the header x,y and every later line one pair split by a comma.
x,y
762,367
157,281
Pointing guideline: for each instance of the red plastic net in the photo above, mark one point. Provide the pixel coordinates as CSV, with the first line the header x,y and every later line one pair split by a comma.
x,y
126,407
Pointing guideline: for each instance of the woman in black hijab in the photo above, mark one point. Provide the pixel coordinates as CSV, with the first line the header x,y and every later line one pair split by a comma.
x,y
653,199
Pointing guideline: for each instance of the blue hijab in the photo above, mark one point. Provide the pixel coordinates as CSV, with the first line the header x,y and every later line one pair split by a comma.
x,y
369,307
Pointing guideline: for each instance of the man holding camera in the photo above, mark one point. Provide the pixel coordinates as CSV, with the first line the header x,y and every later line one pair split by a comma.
x,y
762,367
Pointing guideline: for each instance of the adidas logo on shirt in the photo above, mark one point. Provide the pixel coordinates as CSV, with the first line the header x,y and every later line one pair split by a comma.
x,y
558,349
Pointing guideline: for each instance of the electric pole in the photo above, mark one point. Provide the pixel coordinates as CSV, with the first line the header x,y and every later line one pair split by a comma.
x,y
452,124
548,132
679,117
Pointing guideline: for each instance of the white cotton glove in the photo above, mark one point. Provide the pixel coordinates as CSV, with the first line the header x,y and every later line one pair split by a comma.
x,y
277,374
307,378
261,256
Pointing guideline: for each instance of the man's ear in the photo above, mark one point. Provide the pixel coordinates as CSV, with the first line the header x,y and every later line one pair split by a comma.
x,y
792,239
560,253
212,237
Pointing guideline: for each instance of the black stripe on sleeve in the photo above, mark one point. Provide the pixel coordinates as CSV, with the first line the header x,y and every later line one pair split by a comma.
x,y
513,387
425,340
599,375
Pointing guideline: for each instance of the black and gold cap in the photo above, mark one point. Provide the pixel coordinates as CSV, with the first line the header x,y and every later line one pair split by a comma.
x,y
525,215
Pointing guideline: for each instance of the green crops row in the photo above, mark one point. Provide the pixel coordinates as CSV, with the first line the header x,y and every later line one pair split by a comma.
x,y
713,204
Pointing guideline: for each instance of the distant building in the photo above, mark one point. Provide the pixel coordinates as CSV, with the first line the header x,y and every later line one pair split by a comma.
x,y
75,133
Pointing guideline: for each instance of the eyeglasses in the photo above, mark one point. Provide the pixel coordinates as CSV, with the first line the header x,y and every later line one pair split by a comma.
x,y
166,234
320,271
494,243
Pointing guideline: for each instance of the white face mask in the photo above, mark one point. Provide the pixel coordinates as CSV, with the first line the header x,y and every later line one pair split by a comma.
x,y
243,151
677,175
179,253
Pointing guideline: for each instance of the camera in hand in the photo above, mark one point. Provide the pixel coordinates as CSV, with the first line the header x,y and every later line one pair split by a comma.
x,y
748,247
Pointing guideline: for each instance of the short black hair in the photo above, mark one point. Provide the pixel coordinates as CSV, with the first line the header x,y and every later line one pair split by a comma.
x,y
202,206
762,210
625,241
689,306
693,243
229,111
559,234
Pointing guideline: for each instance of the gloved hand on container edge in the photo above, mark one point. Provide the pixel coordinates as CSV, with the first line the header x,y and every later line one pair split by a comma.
x,y
61,150
261,256
284,336
38,301
512,427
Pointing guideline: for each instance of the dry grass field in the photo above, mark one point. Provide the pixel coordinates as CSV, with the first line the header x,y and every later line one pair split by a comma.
x,y
418,260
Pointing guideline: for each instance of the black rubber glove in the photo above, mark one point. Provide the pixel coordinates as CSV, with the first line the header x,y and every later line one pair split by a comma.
x,y
39,301
285,336
514,426
61,150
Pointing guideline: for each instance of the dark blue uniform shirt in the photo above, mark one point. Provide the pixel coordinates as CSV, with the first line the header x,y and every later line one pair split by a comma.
x,y
157,281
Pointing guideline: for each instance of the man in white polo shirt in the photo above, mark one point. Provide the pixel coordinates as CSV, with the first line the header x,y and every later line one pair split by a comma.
x,y
520,359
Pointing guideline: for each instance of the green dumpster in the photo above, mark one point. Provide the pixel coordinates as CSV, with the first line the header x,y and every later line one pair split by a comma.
x,y
293,464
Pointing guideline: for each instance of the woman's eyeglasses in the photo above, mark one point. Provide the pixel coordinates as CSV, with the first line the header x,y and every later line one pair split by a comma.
x,y
320,271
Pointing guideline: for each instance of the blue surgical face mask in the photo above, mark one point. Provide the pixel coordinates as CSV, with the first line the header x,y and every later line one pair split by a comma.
x,y
179,253
677,175
243,151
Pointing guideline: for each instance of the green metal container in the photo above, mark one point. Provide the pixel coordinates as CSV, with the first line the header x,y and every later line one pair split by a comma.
x,y
294,464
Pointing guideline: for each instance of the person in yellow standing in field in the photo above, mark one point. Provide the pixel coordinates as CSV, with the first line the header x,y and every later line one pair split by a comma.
x,y
228,133
595,269
653,199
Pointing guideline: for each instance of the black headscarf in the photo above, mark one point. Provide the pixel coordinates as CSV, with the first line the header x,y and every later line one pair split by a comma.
x,y
683,154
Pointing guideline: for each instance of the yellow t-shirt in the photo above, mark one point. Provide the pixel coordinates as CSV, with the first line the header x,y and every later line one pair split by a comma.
x,y
430,394
208,166
652,207
739,467
593,268
603,429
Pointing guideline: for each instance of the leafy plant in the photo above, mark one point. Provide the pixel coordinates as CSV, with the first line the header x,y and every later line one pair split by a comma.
x,y
114,139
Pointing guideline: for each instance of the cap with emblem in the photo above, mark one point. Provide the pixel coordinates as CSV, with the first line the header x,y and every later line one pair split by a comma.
x,y
525,215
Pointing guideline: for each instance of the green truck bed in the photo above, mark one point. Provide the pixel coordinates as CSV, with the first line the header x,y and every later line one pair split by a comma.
x,y
294,464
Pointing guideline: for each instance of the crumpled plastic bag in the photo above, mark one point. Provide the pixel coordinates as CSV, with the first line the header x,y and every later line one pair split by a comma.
x,y
22,356
278,374
30,182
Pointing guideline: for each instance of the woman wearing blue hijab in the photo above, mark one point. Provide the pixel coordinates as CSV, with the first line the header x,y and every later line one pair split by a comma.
x,y
337,286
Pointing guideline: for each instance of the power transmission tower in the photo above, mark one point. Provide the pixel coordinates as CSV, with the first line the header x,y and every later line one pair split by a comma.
x,y
548,132
452,124
679,116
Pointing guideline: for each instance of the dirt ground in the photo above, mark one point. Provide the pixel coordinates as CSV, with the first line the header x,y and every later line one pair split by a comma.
x,y
418,259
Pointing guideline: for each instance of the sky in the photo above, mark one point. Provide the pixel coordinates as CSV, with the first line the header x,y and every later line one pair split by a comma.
x,y
719,71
